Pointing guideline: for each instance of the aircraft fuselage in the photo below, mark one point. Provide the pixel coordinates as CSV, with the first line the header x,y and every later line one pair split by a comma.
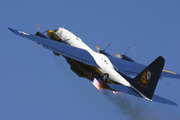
x,y
104,64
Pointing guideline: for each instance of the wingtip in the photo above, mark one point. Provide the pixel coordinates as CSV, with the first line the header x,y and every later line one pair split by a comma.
x,y
11,30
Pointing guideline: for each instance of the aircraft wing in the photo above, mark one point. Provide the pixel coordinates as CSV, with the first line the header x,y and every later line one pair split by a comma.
x,y
132,68
63,49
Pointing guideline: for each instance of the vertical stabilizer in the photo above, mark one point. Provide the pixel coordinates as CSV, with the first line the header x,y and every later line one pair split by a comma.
x,y
144,84
146,81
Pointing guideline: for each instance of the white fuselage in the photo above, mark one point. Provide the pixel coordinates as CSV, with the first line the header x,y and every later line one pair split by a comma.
x,y
105,65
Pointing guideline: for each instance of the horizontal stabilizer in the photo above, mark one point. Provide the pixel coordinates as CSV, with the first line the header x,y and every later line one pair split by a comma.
x,y
130,91
163,100
170,74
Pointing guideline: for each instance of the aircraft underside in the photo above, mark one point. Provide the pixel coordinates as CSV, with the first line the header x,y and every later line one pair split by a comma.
x,y
89,72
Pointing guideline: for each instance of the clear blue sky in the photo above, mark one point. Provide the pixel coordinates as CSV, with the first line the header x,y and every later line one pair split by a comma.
x,y
36,85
